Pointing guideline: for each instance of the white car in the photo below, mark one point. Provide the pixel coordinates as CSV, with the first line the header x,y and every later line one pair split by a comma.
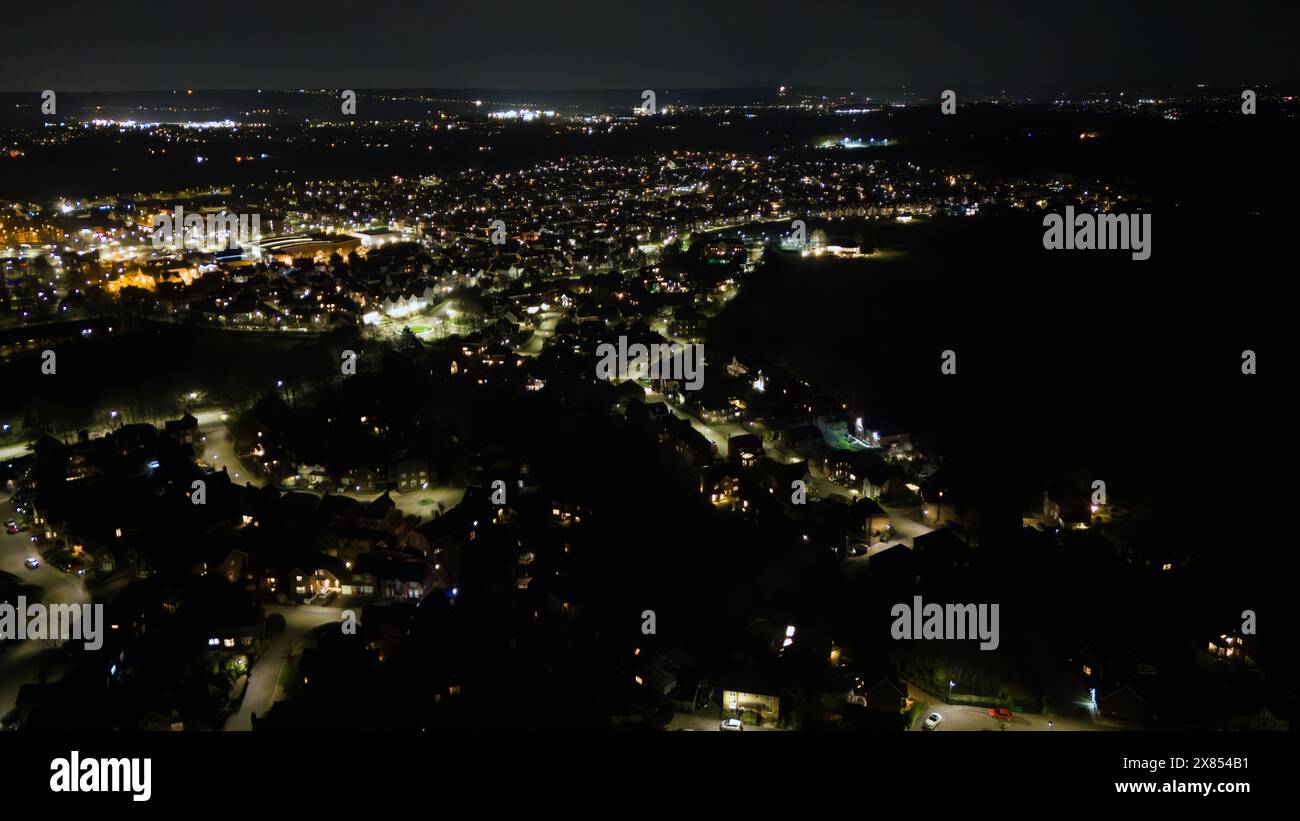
x,y
732,725
932,721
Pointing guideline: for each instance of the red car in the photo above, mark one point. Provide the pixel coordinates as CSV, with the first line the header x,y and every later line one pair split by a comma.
x,y
1000,713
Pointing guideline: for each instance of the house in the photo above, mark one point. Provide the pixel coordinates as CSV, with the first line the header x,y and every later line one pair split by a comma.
x,y
312,476
228,563
715,407
749,701
875,522
779,478
1124,704
943,506
941,549
656,411
1145,544
886,695
1264,719
688,442
626,392
1233,648
737,368
217,614
900,441
895,565
137,563
866,472
184,430
745,449
364,479
102,559
336,510
319,574
654,674
395,576
801,437
720,483
408,473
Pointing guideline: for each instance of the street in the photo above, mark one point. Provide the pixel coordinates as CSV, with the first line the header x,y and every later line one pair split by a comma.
x,y
22,662
961,717
707,720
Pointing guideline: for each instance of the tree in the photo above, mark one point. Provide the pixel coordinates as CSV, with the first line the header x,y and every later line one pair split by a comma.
x,y
275,625
409,341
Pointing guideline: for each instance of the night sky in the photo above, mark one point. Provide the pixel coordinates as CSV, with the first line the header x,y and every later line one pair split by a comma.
x,y
1024,47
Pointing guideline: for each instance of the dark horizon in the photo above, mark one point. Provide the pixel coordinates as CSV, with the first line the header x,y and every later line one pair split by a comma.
x,y
1009,45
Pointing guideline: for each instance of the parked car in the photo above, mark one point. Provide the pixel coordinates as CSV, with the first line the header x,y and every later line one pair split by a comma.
x,y
11,527
32,564
1000,713
12,720
731,725
932,721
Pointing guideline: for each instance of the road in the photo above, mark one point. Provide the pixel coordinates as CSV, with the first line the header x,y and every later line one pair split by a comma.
x,y
263,681
14,450
207,417
964,718
907,524
708,721
217,450
21,663
542,334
